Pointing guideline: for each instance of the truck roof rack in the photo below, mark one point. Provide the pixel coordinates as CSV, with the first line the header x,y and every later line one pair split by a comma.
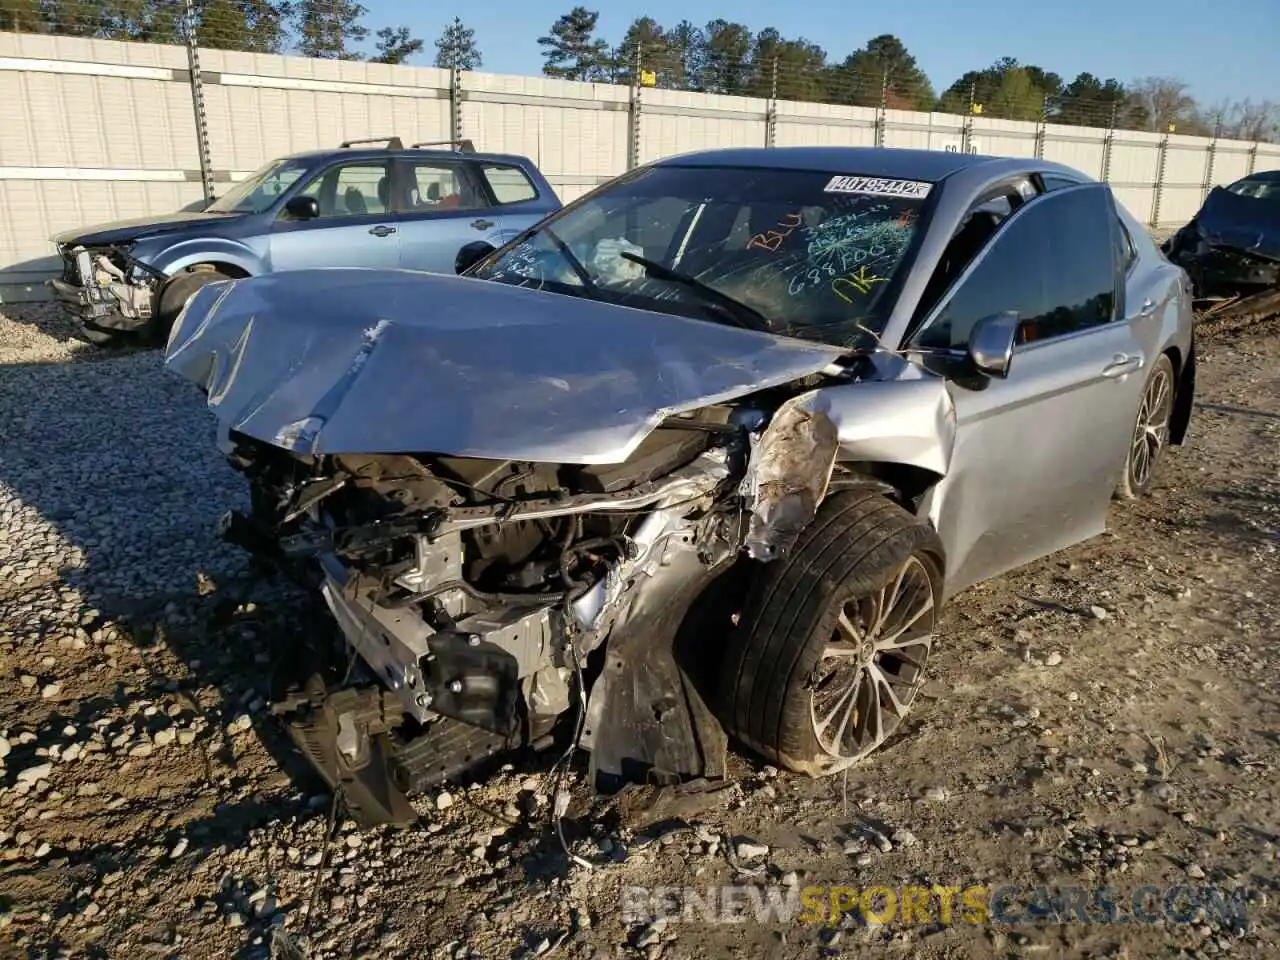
x,y
393,143
464,146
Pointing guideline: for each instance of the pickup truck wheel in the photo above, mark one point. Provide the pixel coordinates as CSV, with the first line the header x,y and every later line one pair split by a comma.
x,y
174,296
832,644
1150,432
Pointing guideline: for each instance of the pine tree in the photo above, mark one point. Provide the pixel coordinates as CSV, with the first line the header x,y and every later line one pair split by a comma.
x,y
395,45
327,28
457,48
572,50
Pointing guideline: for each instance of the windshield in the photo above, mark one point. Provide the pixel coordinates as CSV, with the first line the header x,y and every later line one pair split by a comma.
x,y
1258,189
257,193
815,255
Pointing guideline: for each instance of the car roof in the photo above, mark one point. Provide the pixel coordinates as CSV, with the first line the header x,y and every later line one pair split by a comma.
x,y
381,153
928,165
1268,175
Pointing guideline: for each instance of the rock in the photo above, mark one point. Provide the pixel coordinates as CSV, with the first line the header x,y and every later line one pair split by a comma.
x,y
4,747
936,794
179,849
749,850
50,690
904,838
1099,613
1195,871
1053,659
444,800
34,773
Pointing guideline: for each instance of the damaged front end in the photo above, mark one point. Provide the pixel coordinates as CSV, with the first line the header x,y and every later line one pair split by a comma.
x,y
486,598
1231,252
106,287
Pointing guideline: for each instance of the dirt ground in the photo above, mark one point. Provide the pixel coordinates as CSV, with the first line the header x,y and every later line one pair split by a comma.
x,y
1105,718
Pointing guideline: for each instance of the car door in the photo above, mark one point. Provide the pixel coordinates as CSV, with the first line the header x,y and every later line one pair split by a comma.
x,y
1038,453
443,207
514,195
355,228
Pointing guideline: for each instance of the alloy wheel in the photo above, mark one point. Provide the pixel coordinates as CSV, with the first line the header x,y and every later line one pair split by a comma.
x,y
873,666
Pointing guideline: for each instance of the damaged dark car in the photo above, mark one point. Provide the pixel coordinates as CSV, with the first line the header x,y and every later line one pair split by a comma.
x,y
698,458
1231,248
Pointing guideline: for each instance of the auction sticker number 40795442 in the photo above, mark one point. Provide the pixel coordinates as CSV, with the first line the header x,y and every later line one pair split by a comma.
x,y
879,187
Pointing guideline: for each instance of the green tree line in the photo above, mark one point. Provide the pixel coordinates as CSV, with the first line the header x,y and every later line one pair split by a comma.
x,y
721,57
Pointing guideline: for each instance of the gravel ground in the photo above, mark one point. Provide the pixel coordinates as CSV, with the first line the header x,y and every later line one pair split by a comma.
x,y
1108,716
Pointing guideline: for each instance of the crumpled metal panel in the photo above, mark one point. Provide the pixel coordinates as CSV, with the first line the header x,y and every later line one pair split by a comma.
x,y
386,361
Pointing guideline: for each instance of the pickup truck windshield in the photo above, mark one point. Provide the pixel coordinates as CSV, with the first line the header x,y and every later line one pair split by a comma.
x,y
815,255
257,193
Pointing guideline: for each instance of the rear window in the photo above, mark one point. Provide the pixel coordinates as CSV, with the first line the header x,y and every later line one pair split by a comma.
x,y
509,184
819,255
1258,189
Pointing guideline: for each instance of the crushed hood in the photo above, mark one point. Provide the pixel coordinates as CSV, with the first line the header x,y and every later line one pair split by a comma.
x,y
395,361
1242,223
123,231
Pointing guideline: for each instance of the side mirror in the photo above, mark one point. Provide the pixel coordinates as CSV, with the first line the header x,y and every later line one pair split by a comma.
x,y
991,343
303,208
471,254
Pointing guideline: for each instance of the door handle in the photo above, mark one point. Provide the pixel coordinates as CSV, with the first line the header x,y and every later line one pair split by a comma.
x,y
1148,308
482,224
1121,364
381,231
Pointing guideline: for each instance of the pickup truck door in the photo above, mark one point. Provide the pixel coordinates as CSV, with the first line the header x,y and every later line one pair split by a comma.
x,y
356,227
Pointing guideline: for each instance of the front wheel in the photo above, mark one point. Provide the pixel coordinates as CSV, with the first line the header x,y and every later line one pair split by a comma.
x,y
174,296
1150,432
831,648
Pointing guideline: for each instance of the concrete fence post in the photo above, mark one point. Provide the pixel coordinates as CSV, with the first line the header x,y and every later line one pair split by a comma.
x,y
882,111
197,103
1108,141
1162,159
633,115
1209,156
456,95
771,111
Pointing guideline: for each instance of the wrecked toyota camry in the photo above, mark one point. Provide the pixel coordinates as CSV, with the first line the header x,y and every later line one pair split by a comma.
x,y
1231,247
695,460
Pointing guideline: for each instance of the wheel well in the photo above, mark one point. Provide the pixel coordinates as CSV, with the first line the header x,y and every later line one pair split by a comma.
x,y
230,269
909,482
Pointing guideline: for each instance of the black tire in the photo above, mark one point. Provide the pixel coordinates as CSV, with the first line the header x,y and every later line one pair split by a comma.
x,y
1150,434
174,296
770,689
99,337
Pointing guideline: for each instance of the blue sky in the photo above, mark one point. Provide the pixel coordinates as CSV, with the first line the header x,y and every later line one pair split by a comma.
x,y
1224,49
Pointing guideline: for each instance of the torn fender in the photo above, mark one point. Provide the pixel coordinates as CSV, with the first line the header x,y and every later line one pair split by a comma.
x,y
907,422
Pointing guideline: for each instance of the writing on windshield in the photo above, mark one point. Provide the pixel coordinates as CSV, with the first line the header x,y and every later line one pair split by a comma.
x,y
815,262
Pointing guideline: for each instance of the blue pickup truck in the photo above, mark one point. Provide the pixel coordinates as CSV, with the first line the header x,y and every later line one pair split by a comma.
x,y
414,207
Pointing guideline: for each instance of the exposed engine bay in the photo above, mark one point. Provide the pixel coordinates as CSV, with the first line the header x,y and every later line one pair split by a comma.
x,y
107,287
477,591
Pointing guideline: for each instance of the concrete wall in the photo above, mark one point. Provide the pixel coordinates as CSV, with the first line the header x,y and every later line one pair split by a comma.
x,y
96,130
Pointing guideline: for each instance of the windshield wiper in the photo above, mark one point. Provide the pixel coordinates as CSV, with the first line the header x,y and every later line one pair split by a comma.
x,y
749,318
574,263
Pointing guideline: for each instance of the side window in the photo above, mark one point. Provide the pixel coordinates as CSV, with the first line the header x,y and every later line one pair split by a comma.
x,y
509,184
350,190
1052,181
1081,272
438,187
1125,254
1011,276
1052,263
